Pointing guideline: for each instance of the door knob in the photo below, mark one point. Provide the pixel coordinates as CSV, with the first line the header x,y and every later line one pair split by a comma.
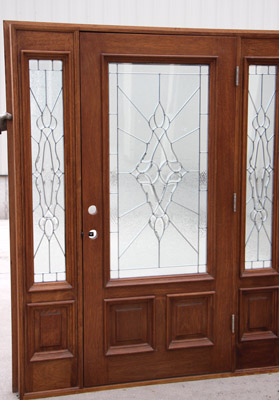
x,y
92,210
92,234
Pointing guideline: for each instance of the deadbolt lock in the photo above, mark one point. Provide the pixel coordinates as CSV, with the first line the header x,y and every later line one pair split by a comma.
x,y
92,234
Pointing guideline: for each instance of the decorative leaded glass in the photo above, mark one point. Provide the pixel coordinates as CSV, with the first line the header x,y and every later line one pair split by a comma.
x,y
47,140
158,117
260,164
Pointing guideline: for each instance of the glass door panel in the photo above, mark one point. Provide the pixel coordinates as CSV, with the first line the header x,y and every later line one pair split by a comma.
x,y
47,141
260,166
158,133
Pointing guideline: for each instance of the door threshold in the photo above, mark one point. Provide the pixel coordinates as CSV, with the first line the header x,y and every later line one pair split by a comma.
x,y
238,372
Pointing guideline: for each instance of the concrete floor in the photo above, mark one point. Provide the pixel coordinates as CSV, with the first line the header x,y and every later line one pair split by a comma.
x,y
254,387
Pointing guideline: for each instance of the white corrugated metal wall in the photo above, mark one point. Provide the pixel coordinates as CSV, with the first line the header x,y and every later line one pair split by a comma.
x,y
223,14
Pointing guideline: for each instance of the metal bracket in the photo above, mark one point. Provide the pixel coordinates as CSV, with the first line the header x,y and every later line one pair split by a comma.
x,y
3,121
237,76
234,202
233,323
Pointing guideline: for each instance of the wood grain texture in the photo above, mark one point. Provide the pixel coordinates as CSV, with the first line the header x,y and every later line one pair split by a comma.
x,y
190,320
12,217
50,330
78,271
65,392
129,325
258,314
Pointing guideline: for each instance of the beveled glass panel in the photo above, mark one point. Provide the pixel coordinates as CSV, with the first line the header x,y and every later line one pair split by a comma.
x,y
260,166
47,145
158,169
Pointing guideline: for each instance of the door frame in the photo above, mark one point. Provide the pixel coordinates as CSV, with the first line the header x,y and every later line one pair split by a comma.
x,y
19,36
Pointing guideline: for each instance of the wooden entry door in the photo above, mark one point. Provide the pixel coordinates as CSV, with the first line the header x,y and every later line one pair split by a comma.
x,y
158,139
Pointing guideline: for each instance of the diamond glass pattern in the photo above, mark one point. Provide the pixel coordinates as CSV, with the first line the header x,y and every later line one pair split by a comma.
x,y
158,117
47,140
260,163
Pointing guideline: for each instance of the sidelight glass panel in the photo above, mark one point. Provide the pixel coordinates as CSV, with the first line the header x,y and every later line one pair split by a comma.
x,y
47,141
260,166
158,116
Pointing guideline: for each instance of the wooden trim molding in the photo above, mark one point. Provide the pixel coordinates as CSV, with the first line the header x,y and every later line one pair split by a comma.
x,y
65,392
65,27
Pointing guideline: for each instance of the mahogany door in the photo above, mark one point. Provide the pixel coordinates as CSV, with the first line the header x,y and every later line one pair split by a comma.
x,y
158,139
258,280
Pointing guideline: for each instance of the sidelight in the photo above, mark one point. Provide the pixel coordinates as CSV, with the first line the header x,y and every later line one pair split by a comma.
x,y
47,144
260,166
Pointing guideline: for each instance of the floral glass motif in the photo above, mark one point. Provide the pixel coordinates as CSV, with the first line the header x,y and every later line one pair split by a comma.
x,y
260,166
158,169
47,141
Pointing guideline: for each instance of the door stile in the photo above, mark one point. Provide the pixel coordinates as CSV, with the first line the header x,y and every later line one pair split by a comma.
x,y
78,190
275,230
238,191
12,201
92,138
224,201
11,225
16,205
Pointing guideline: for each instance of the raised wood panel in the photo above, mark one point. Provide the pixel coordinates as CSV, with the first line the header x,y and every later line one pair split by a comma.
x,y
253,354
190,320
129,325
50,331
258,314
51,327
55,374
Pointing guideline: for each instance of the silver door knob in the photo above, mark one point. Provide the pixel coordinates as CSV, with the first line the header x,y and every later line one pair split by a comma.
x,y
92,234
92,210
